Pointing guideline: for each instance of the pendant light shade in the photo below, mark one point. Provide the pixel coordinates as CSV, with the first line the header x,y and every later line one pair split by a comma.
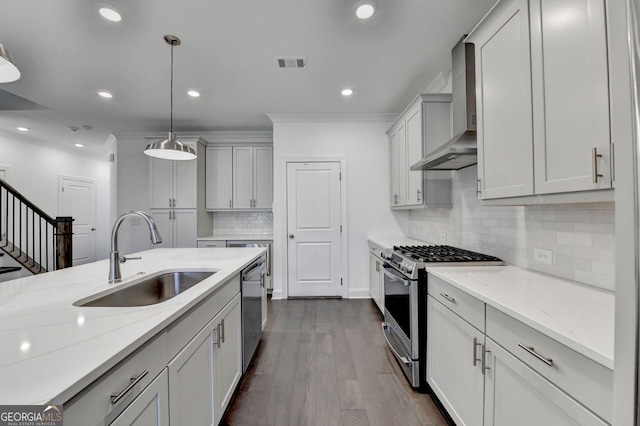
x,y
170,148
8,70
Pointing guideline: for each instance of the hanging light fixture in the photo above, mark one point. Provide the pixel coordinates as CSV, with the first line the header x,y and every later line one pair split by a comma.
x,y
8,70
170,148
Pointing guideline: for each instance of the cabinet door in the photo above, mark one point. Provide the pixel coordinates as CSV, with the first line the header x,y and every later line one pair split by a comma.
x,y
414,154
516,395
191,380
164,223
375,281
160,182
402,164
227,356
185,182
150,408
503,75
263,177
242,177
219,173
571,94
264,302
184,228
394,168
454,368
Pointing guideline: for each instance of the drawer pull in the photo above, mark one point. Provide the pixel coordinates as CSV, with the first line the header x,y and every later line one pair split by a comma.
x,y
449,298
115,397
532,351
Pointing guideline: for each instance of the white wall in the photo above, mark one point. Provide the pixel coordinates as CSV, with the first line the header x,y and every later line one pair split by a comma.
x,y
365,147
34,171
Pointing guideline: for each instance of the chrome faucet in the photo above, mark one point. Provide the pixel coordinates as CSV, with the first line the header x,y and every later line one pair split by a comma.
x,y
115,276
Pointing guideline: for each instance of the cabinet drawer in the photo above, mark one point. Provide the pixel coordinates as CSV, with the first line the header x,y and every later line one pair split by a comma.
x,y
183,330
584,379
93,405
212,243
466,306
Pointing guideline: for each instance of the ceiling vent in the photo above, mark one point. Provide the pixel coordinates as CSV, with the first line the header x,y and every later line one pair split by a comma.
x,y
292,62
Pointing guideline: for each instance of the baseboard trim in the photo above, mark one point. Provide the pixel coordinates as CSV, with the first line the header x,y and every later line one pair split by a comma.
x,y
276,295
359,293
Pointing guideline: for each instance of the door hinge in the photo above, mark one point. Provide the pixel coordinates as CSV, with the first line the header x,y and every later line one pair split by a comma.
x,y
340,281
341,229
340,175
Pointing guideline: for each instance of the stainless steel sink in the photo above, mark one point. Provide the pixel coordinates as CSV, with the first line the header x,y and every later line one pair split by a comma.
x,y
151,290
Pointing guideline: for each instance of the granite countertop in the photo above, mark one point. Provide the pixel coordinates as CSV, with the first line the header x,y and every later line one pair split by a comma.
x,y
576,315
238,237
51,349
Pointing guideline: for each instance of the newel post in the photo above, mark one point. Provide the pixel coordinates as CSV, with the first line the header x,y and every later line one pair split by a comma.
x,y
64,246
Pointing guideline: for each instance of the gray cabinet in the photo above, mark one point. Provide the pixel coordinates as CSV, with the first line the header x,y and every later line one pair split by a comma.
x,y
420,129
219,178
150,408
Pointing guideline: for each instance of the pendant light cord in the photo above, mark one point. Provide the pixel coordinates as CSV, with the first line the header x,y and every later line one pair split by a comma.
x,y
171,130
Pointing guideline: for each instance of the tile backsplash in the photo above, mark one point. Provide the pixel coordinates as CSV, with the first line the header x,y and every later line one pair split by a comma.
x,y
581,236
239,222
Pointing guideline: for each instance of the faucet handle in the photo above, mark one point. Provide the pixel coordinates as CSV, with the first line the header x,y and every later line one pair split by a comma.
x,y
124,259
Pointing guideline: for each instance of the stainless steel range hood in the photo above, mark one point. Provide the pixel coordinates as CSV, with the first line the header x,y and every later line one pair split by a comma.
x,y
462,150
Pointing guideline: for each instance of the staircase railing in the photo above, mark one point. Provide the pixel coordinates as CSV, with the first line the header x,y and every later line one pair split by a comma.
x,y
32,237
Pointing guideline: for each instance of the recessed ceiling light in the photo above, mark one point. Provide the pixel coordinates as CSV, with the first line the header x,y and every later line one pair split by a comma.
x,y
105,94
23,129
109,13
193,93
347,92
365,9
79,145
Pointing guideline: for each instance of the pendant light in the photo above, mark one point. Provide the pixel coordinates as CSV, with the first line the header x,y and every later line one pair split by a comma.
x,y
8,70
170,148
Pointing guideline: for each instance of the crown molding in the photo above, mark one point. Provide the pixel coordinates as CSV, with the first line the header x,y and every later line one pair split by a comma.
x,y
333,118
211,137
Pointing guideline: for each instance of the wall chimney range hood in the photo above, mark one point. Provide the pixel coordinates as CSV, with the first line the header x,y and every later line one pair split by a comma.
x,y
462,150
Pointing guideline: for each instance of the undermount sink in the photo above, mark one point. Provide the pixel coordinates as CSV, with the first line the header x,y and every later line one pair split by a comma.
x,y
150,291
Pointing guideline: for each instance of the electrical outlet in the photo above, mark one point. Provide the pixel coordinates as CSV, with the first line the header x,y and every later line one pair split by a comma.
x,y
135,221
443,236
542,255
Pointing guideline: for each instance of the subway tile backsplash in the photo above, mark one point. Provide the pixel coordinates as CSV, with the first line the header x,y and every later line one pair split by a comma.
x,y
240,222
581,236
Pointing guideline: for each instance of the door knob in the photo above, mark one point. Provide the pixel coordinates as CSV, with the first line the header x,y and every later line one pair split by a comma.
x,y
291,236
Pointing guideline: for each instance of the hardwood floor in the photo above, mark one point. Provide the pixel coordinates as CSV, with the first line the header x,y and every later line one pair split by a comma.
x,y
325,362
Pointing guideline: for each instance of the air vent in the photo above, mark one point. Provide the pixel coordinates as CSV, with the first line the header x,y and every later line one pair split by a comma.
x,y
292,62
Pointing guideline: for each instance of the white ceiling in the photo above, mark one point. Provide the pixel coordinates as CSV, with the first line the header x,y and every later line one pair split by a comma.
x,y
67,52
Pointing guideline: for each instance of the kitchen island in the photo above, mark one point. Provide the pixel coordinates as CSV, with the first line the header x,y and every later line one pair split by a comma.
x,y
52,350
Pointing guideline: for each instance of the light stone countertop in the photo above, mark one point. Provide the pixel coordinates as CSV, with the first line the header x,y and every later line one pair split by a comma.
x,y
387,242
576,315
237,237
51,349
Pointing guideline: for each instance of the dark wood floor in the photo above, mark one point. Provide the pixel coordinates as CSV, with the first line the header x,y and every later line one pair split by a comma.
x,y
325,362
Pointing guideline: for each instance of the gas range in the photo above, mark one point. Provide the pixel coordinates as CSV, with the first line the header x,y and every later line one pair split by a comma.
x,y
411,259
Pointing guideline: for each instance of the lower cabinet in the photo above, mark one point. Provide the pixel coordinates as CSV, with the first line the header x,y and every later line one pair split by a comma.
x,y
203,376
178,228
376,277
517,395
455,377
150,408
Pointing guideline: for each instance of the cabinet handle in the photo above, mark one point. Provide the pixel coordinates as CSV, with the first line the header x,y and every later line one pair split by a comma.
x,y
262,280
395,198
377,266
115,397
596,175
419,194
484,359
230,204
612,156
532,351
221,328
449,298
169,201
174,202
216,338
478,186
475,345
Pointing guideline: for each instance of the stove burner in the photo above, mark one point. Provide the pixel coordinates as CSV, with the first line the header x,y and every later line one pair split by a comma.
x,y
434,254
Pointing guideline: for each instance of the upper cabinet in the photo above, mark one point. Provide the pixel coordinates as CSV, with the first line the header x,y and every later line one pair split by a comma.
x,y
239,177
420,129
173,183
543,99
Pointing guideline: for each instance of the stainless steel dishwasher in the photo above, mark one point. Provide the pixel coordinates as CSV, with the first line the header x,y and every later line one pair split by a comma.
x,y
252,289
257,243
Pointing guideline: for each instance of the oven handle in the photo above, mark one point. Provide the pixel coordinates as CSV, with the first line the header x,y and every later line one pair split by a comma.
x,y
404,359
394,277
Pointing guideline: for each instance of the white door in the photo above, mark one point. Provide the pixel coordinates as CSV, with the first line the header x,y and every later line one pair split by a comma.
x,y
313,228
78,200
